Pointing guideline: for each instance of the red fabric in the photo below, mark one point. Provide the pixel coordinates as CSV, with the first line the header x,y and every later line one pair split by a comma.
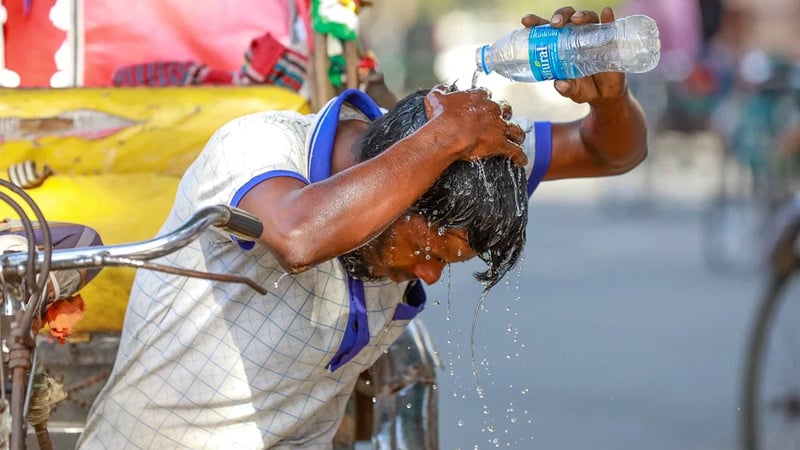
x,y
31,42
62,315
118,33
264,53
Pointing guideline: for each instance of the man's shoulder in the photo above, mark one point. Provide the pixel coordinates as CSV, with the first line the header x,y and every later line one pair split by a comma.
x,y
266,119
284,129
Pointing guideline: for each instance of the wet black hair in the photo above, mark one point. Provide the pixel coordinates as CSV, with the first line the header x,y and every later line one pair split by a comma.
x,y
488,198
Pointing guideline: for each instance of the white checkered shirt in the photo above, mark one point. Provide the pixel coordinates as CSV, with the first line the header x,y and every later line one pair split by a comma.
x,y
206,365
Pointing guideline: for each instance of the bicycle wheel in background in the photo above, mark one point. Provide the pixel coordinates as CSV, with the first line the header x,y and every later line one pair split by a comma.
x,y
770,417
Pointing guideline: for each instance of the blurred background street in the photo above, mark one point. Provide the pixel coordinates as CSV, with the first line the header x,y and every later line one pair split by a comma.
x,y
614,334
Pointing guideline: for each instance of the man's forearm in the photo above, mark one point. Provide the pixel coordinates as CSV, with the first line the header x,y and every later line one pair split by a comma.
x,y
615,133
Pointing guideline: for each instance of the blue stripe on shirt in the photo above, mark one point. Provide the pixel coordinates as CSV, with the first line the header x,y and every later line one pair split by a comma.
x,y
543,131
239,195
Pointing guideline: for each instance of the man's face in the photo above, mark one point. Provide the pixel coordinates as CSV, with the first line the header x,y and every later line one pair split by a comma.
x,y
409,249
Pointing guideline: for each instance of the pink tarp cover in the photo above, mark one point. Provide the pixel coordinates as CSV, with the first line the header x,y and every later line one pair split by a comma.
x,y
121,32
214,32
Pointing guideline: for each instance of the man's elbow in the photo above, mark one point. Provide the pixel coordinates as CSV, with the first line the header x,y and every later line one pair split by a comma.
x,y
631,162
293,251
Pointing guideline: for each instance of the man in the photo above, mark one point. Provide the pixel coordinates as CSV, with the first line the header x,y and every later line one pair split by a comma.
x,y
356,208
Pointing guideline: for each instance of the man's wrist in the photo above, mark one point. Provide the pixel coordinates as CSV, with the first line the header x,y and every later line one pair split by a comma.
x,y
613,103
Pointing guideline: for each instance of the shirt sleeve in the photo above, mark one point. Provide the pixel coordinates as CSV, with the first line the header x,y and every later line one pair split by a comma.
x,y
538,146
242,154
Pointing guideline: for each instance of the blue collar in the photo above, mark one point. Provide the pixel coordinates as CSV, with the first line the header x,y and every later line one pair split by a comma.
x,y
324,134
356,334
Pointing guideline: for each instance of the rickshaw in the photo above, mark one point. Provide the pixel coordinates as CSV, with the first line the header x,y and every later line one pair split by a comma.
x,y
110,157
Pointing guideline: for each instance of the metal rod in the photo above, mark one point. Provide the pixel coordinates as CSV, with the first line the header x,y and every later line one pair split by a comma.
x,y
186,272
85,257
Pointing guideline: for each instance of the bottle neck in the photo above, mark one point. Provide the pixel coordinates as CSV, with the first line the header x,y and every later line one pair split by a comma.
x,y
480,57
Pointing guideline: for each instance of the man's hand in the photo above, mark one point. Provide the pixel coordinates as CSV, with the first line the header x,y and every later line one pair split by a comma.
x,y
595,89
474,125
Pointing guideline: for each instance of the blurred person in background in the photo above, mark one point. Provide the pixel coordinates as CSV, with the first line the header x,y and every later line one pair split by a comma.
x,y
419,55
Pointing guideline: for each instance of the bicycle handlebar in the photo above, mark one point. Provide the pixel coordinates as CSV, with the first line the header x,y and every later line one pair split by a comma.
x,y
231,219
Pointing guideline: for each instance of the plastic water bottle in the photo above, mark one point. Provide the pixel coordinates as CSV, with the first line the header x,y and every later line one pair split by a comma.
x,y
629,44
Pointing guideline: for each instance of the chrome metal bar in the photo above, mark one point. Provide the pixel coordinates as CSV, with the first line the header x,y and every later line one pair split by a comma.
x,y
14,264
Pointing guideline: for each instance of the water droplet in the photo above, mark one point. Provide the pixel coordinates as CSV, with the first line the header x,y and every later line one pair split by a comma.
x,y
441,231
475,77
490,428
275,285
417,252
408,406
427,257
460,423
436,302
367,382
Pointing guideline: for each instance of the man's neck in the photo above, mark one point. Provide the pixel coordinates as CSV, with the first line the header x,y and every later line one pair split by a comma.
x,y
344,147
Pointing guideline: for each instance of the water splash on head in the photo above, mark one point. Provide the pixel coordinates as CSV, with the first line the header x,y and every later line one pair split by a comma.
x,y
487,199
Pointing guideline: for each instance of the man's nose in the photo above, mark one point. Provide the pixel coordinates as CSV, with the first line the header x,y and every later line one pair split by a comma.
x,y
429,271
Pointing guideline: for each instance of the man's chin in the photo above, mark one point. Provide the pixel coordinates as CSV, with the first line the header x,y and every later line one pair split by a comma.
x,y
356,267
368,278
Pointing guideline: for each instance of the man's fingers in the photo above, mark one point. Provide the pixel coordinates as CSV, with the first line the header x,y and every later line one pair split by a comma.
x,y
562,16
607,15
433,101
515,134
505,109
583,17
516,155
532,20
440,88
564,87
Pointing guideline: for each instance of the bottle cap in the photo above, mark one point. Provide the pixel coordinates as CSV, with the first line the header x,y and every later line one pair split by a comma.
x,y
480,59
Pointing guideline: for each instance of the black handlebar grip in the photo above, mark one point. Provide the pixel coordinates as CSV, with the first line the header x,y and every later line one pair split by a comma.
x,y
243,224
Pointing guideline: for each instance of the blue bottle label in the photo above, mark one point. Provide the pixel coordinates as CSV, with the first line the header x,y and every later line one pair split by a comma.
x,y
543,53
